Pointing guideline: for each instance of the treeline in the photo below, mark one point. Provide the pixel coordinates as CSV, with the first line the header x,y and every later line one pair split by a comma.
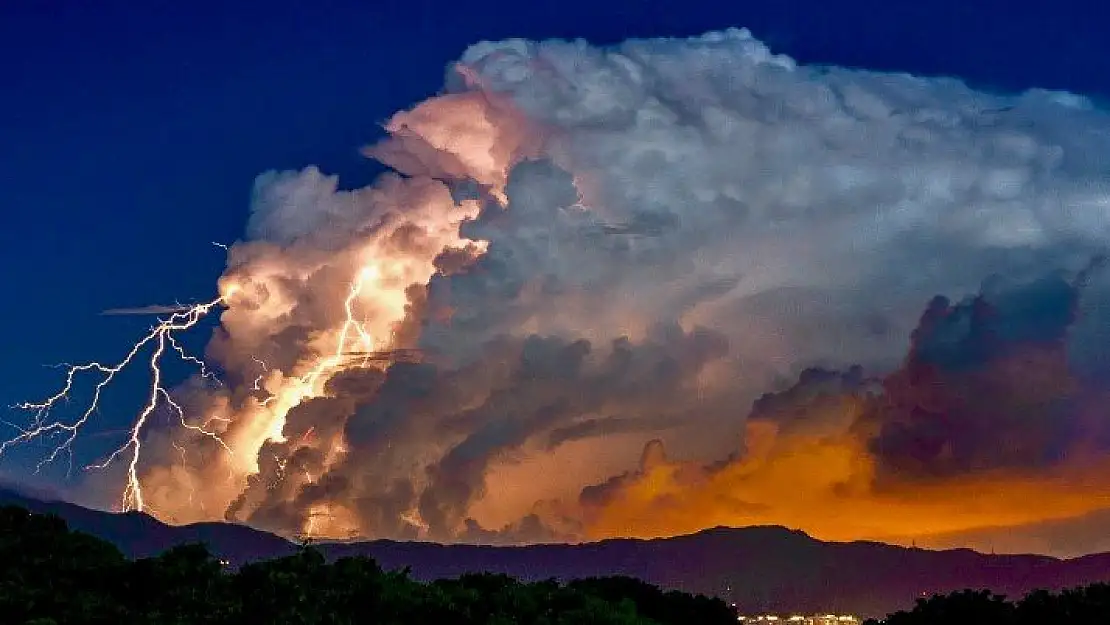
x,y
1080,606
52,576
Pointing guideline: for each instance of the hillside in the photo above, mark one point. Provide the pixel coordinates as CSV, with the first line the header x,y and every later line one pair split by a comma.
x,y
759,568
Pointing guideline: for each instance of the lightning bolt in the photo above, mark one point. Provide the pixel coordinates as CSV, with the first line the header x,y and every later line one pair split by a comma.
x,y
308,435
162,341
185,463
352,330
350,326
258,380
352,333
160,338
187,357
306,385
279,476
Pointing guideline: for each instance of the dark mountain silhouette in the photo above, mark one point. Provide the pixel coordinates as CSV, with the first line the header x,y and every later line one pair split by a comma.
x,y
759,568
140,535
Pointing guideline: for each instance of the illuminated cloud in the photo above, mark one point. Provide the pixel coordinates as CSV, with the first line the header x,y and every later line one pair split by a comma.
x,y
584,249
986,427
620,244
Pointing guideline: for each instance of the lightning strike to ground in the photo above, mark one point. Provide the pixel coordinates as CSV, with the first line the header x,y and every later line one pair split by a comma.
x,y
161,336
162,339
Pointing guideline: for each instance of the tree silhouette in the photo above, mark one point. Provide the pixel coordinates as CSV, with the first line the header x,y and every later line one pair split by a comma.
x,y
1078,606
49,572
52,576
184,585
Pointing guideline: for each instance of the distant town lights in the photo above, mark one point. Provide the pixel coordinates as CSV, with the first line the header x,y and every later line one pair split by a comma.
x,y
797,619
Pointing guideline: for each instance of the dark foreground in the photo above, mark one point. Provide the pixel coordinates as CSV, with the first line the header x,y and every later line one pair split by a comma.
x,y
1080,606
761,569
50,575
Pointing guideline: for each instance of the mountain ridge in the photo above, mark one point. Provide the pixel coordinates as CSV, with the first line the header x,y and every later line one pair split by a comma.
x,y
761,568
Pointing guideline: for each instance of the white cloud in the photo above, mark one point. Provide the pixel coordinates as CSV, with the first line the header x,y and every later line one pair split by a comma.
x,y
807,213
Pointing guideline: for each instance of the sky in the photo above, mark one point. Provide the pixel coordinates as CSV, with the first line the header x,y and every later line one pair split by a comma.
x,y
133,137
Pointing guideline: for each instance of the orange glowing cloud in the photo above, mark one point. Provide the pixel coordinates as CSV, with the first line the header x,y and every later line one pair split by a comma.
x,y
825,487
985,427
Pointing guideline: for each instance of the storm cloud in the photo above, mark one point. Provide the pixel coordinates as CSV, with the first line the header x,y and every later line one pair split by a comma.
x,y
693,242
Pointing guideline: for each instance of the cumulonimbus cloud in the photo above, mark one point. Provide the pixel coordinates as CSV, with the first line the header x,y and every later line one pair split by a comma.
x,y
594,247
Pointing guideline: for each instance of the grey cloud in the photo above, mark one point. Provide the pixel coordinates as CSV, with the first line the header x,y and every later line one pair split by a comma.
x,y
523,390
799,217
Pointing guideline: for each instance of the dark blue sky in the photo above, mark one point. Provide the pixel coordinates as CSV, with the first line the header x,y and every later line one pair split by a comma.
x,y
130,132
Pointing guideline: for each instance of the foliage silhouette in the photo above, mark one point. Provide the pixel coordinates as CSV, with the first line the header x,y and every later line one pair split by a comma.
x,y
50,575
1079,606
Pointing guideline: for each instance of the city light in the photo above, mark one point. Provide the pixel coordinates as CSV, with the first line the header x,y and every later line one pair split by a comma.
x,y
797,619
